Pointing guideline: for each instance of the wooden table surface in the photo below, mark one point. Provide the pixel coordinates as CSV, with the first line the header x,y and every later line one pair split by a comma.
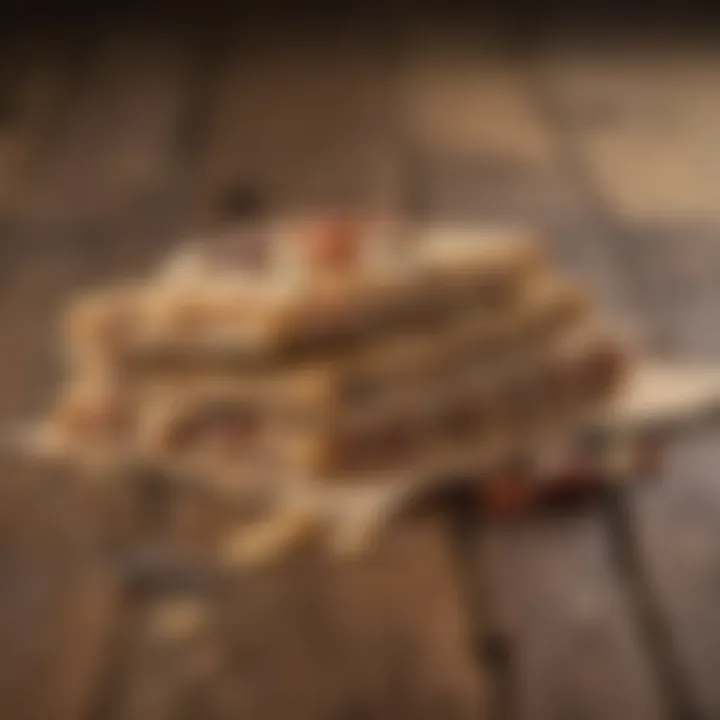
x,y
115,141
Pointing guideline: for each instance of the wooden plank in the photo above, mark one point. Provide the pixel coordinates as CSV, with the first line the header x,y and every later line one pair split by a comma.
x,y
112,165
677,522
643,124
39,81
459,95
478,136
28,96
464,111
646,114
574,648
303,121
310,637
59,596
101,196
104,202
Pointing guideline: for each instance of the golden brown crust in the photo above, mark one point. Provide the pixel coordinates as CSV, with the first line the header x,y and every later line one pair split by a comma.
x,y
96,325
292,314
464,350
93,412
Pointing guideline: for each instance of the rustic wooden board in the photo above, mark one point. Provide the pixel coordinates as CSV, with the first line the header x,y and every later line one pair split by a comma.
x,y
574,649
81,216
104,197
36,96
31,88
574,646
59,599
301,121
644,125
628,100
310,638
146,139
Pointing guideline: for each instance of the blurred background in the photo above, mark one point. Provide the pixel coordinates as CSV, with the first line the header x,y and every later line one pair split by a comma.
x,y
126,127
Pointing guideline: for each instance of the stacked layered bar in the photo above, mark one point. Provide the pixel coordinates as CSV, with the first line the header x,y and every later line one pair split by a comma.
x,y
353,352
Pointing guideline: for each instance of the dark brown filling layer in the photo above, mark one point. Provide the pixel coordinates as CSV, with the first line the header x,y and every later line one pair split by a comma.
x,y
523,401
389,445
338,333
101,422
464,418
403,440
601,370
169,360
557,383
223,427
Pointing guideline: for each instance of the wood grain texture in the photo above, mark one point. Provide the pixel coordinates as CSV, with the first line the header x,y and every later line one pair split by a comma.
x,y
58,604
642,126
645,113
310,638
104,199
675,522
121,142
574,646
305,122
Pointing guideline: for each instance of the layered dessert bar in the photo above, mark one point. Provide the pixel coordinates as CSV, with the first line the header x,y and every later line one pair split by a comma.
x,y
354,351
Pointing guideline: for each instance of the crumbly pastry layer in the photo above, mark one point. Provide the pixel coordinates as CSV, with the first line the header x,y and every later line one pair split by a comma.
x,y
343,356
278,314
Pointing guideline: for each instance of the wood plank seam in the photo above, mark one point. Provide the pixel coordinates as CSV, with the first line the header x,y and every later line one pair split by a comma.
x,y
652,625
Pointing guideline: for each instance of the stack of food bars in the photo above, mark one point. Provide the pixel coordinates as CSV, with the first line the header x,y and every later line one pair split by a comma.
x,y
345,352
